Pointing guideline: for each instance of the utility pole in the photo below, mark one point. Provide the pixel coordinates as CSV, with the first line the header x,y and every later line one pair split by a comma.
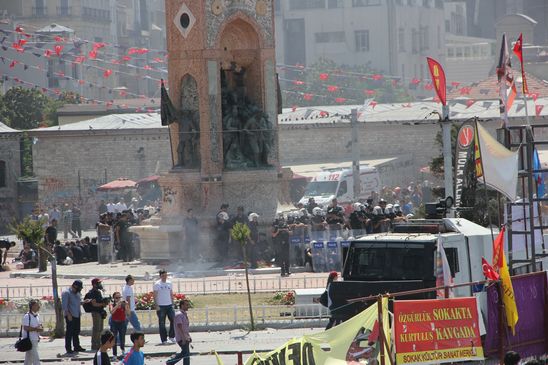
x,y
355,155
447,156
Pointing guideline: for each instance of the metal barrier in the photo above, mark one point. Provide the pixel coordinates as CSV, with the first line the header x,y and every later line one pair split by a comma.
x,y
228,285
199,317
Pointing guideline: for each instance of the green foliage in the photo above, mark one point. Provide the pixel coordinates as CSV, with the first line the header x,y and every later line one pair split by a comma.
x,y
350,87
23,108
240,232
26,155
29,230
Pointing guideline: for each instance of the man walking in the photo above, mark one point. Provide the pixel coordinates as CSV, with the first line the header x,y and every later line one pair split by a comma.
x,y
32,327
182,334
129,297
98,313
71,299
163,297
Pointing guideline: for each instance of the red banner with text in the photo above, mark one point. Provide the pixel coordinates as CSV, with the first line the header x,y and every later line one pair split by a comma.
x,y
436,331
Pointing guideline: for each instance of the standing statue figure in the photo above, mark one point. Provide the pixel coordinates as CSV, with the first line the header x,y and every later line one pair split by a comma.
x,y
253,138
266,140
189,140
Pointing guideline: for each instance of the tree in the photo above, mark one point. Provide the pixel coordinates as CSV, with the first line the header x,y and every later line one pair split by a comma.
x,y
23,108
240,232
32,231
353,85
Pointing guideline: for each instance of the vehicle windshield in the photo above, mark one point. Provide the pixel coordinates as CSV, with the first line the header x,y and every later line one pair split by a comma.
x,y
321,188
391,261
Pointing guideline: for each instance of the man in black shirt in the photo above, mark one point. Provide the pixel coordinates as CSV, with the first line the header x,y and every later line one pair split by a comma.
x,y
60,252
280,235
335,215
51,233
123,238
98,313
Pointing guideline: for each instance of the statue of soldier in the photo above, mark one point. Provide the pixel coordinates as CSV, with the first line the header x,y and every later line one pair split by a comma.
x,y
189,139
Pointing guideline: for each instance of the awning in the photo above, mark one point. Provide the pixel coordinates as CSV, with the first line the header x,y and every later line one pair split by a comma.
x,y
310,171
118,184
148,179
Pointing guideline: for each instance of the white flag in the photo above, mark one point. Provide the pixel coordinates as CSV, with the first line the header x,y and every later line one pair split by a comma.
x,y
499,164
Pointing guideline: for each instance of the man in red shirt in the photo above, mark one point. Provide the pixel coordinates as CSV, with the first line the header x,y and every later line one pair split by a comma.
x,y
182,334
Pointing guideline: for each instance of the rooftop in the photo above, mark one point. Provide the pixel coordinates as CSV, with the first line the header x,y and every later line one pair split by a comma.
x,y
111,122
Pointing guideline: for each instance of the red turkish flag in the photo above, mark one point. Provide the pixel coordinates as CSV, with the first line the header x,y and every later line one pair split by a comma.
x,y
324,76
534,96
332,88
377,77
19,29
58,39
107,73
92,54
518,51
147,67
81,82
13,63
298,82
373,104
455,84
340,100
469,103
323,113
58,48
488,270
126,58
79,59
369,92
538,109
415,81
308,97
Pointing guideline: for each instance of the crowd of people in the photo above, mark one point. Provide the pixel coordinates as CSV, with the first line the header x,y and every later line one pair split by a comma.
x,y
118,311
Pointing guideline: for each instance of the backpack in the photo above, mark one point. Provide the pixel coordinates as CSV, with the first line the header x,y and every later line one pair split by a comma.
x,y
88,307
323,299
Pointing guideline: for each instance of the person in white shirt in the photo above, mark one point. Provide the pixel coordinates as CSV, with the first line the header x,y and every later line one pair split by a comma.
x,y
121,206
163,297
32,326
111,207
129,297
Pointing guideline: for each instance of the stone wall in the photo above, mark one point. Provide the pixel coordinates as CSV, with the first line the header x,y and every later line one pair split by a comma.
x,y
70,165
11,156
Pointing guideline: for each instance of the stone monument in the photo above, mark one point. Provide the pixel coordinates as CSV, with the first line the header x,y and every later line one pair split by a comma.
x,y
223,124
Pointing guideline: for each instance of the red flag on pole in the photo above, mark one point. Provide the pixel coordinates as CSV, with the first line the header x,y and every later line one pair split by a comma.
x,y
488,270
518,51
438,79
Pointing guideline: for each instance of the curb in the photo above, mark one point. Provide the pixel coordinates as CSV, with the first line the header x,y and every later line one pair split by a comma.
x,y
154,354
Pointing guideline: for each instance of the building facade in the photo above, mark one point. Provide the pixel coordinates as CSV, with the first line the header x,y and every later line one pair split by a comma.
x,y
391,36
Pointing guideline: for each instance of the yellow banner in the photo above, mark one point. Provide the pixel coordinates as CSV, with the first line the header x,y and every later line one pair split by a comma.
x,y
355,340
508,299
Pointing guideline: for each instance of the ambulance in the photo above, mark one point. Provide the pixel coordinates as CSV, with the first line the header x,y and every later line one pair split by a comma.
x,y
339,183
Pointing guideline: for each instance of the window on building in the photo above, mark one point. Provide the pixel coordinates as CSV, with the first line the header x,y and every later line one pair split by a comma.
x,y
414,41
360,3
426,3
362,40
424,38
401,39
306,4
3,173
332,4
439,4
330,37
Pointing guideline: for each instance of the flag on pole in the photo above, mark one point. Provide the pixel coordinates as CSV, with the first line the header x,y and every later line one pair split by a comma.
x,y
518,51
443,271
497,164
507,87
168,113
438,79
488,270
499,264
